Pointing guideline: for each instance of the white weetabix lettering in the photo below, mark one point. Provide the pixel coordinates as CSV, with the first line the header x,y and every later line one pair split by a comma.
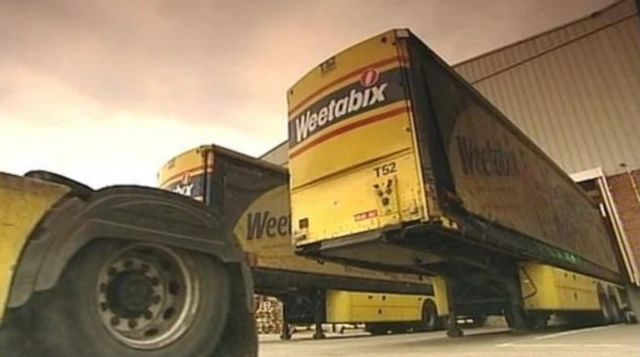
x,y
332,104
341,107
353,102
301,127
186,190
322,116
378,93
312,121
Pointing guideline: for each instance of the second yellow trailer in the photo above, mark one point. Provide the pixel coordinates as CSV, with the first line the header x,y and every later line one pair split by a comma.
x,y
252,197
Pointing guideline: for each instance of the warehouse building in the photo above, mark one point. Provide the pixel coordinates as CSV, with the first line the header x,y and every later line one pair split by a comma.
x,y
575,91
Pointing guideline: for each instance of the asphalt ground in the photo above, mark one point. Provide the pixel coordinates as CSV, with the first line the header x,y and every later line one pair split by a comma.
x,y
603,341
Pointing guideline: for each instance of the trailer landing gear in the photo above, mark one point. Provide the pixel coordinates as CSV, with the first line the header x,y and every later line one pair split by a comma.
x,y
319,316
455,332
319,333
285,335
453,329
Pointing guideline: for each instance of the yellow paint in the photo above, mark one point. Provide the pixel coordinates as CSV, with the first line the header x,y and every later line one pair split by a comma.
x,y
333,205
349,306
357,56
346,306
548,288
376,140
331,186
24,202
189,162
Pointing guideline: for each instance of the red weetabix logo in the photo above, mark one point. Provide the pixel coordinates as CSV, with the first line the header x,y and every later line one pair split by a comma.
x,y
186,178
369,77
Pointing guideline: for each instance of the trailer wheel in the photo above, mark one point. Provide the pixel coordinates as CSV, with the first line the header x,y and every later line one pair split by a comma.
x,y
377,328
429,316
134,300
508,317
616,314
614,307
606,315
538,321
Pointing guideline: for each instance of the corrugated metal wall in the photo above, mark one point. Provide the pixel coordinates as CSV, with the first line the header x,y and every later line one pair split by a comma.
x,y
574,90
278,155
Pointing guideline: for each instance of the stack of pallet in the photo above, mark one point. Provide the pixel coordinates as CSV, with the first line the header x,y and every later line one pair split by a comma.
x,y
268,315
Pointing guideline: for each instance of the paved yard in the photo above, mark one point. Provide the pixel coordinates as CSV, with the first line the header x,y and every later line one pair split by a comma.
x,y
618,340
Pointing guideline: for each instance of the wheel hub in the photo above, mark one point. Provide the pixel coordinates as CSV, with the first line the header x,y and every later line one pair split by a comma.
x,y
147,296
130,294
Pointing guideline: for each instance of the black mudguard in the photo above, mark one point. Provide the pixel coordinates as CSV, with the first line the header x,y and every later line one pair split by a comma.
x,y
120,212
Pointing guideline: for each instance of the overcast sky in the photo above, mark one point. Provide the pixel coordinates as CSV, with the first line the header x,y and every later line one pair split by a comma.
x,y
106,92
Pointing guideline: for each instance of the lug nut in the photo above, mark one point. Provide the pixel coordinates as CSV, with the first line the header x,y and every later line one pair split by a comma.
x,y
148,315
133,324
115,321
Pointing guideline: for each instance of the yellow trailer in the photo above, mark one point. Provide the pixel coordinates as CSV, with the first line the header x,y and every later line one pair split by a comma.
x,y
253,198
398,164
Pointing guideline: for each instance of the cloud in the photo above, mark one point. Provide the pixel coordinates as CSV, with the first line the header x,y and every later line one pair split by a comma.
x,y
206,70
87,142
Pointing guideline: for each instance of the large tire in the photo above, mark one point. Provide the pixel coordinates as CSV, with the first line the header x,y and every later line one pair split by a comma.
x,y
399,327
135,300
605,316
510,319
538,321
616,313
376,328
430,319
16,334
